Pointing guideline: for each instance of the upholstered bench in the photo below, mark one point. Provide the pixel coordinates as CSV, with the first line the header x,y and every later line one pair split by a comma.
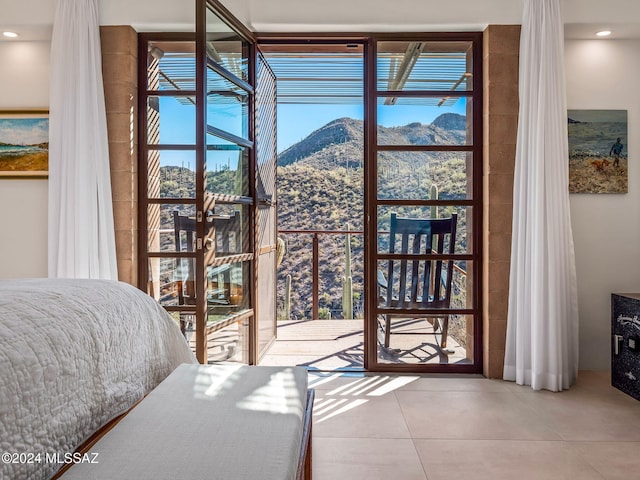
x,y
228,422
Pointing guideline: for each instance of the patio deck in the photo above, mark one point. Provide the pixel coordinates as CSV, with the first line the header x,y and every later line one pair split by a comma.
x,y
339,345
329,345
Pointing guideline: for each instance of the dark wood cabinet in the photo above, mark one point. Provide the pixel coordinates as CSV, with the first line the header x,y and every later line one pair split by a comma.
x,y
625,343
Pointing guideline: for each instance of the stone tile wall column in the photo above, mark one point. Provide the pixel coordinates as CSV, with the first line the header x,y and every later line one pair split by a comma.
x,y
500,110
119,70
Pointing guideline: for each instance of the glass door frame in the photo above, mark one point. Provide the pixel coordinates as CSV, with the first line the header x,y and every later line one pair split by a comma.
x,y
370,173
197,203
372,202
202,127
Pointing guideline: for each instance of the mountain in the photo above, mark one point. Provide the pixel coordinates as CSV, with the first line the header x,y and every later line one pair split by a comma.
x,y
339,143
342,131
451,121
321,187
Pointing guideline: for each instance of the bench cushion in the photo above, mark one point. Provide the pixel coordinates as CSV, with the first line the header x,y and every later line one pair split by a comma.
x,y
208,422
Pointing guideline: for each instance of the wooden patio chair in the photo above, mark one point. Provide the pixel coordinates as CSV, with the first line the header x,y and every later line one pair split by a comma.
x,y
423,284
228,242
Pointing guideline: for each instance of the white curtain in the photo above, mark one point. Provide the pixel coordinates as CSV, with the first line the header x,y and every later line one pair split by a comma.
x,y
81,230
542,328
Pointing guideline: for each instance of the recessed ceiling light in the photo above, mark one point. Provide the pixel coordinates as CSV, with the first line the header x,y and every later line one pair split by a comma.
x,y
603,33
10,34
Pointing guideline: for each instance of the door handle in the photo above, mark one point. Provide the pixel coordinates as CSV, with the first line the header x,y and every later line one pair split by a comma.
x,y
617,341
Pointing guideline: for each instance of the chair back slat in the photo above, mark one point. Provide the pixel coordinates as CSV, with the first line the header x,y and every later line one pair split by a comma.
x,y
421,283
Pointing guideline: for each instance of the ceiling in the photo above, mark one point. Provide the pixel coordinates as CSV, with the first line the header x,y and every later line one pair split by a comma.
x,y
33,18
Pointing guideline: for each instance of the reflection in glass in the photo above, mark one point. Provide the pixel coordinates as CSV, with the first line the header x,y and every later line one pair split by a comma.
x,y
227,170
228,112
228,304
227,293
168,279
230,225
162,227
226,47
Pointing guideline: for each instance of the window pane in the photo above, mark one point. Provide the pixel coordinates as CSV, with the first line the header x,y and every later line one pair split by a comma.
x,y
464,239
171,120
227,290
423,175
414,340
170,174
162,222
171,66
424,66
461,282
230,225
227,110
421,121
227,170
170,281
226,47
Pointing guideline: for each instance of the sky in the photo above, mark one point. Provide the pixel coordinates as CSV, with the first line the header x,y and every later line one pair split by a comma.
x,y
295,122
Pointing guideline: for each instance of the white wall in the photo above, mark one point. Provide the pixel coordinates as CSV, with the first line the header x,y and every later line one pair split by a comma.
x,y
601,74
24,83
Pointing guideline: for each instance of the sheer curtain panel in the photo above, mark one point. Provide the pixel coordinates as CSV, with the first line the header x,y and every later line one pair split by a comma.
x,y
81,230
542,325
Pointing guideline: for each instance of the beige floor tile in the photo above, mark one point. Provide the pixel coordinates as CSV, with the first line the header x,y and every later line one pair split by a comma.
x,y
351,416
588,380
614,460
366,459
502,459
334,380
583,415
471,415
456,383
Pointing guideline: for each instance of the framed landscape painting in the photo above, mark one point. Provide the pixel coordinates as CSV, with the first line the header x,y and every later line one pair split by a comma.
x,y
598,161
24,143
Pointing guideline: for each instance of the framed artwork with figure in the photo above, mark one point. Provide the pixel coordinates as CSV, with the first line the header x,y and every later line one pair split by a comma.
x,y
598,161
24,143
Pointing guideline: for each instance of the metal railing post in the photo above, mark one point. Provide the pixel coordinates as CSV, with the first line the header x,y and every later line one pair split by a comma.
x,y
316,278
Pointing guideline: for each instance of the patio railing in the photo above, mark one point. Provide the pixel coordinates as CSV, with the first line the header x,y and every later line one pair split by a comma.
x,y
315,260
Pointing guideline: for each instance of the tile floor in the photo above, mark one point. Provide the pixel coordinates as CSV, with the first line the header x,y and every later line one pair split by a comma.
x,y
434,427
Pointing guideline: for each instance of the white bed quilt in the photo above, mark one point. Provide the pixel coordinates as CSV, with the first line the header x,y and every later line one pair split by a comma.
x,y
73,355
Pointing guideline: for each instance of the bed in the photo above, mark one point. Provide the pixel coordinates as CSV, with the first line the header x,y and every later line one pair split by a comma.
x,y
90,366
74,354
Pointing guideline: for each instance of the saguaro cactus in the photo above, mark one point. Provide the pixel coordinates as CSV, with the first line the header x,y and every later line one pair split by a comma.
x,y
434,196
347,282
280,251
